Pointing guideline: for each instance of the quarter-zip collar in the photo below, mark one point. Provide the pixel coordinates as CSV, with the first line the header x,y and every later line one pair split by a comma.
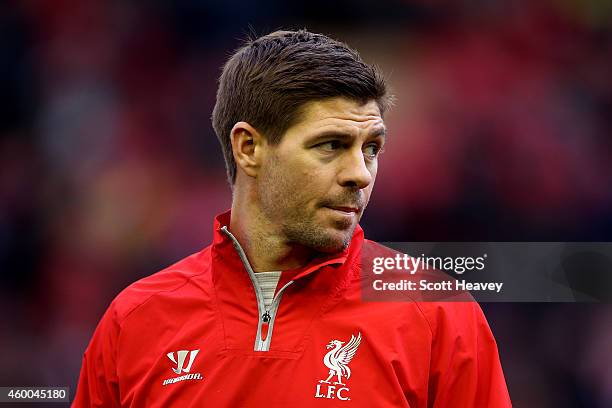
x,y
222,243
240,299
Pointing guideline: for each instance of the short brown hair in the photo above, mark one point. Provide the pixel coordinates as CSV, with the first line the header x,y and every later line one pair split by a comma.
x,y
268,80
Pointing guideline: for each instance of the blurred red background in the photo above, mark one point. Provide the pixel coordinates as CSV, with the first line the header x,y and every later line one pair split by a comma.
x,y
110,169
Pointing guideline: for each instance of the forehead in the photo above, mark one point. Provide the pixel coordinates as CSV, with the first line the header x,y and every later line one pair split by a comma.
x,y
340,114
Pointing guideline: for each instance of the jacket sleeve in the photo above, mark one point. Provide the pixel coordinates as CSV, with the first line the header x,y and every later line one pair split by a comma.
x,y
98,383
465,367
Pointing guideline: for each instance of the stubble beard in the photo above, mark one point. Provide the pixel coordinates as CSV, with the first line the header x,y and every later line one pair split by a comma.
x,y
316,237
297,222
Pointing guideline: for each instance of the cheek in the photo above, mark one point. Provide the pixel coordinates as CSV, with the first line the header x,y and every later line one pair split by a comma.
x,y
374,172
290,165
297,169
288,181
373,169
301,181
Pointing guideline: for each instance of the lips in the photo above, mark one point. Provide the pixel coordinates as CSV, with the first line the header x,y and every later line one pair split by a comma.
x,y
346,209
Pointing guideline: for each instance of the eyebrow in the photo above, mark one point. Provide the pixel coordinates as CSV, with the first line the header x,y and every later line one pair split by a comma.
x,y
335,134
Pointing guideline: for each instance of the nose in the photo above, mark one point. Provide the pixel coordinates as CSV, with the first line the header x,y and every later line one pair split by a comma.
x,y
354,171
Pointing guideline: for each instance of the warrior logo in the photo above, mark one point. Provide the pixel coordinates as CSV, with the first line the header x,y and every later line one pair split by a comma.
x,y
182,355
181,360
337,360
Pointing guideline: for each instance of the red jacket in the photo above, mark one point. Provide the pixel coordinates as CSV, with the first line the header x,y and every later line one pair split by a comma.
x,y
194,334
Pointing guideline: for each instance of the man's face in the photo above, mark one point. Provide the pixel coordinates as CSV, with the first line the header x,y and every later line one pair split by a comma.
x,y
316,183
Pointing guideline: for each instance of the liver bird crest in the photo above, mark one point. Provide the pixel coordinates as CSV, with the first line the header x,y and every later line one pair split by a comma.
x,y
338,358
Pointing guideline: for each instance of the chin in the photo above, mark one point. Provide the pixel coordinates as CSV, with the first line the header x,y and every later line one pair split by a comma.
x,y
328,239
334,242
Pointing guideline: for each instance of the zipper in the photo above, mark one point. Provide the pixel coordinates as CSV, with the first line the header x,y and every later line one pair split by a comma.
x,y
266,321
266,316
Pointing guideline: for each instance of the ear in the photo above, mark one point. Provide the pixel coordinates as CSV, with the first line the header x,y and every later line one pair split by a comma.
x,y
247,146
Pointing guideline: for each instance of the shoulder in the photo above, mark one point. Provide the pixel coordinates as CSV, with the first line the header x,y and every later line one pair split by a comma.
x,y
175,279
443,310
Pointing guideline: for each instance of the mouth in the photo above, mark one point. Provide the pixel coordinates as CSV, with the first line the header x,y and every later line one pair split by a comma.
x,y
347,210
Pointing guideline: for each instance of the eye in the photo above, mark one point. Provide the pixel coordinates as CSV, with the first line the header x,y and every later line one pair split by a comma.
x,y
372,150
329,146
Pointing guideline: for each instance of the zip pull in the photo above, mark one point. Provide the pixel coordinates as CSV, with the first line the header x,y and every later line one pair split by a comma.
x,y
265,326
266,317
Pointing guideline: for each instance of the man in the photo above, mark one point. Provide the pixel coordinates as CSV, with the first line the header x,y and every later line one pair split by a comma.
x,y
271,314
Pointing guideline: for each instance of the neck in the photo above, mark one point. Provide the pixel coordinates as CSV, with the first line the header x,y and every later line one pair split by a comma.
x,y
262,240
